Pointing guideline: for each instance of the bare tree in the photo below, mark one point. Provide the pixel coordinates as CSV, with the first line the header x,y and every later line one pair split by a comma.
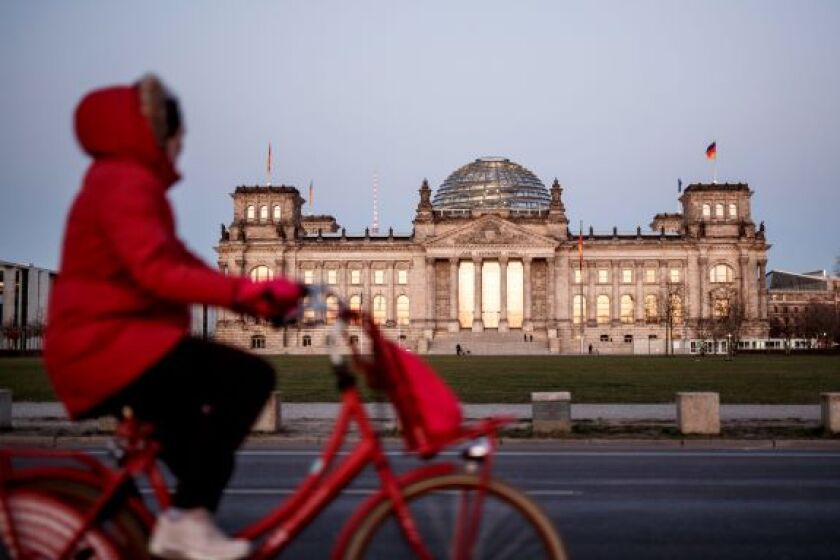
x,y
727,317
672,312
820,321
704,329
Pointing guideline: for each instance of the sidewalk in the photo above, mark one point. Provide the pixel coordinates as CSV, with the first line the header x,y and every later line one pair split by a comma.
x,y
29,412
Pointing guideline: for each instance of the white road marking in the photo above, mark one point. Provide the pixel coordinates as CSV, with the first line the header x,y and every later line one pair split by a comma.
x,y
352,492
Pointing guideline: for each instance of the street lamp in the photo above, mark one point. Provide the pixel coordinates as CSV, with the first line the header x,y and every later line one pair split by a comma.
x,y
728,346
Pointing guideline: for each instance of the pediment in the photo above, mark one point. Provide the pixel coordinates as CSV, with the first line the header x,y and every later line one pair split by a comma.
x,y
491,231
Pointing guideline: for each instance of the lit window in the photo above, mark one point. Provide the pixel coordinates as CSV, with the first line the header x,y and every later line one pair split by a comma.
x,y
626,275
676,310
578,309
378,276
402,277
263,213
356,303
251,214
720,273
379,309
257,342
675,275
627,309
719,210
260,273
402,311
308,311
603,276
332,277
707,211
332,310
308,276
651,309
650,275
578,276
355,277
720,308
733,210
277,213
602,311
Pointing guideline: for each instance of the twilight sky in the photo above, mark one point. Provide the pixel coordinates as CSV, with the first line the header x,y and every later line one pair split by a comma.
x,y
616,99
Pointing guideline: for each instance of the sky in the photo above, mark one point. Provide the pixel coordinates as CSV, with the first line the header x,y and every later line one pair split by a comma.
x,y
617,100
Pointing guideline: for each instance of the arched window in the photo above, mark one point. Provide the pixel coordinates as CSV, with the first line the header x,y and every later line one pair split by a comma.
x,y
733,209
602,312
651,309
578,309
627,309
707,211
308,311
402,310
260,272
263,213
718,210
307,340
676,309
332,310
355,306
257,342
277,213
251,213
379,309
720,273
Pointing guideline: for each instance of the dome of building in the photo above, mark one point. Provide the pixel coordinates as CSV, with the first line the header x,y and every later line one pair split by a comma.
x,y
491,183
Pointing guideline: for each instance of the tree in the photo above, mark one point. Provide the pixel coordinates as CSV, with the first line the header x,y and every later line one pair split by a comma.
x,y
727,316
820,322
672,308
12,335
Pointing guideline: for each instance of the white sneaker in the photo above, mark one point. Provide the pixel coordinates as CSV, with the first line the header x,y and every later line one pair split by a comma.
x,y
193,535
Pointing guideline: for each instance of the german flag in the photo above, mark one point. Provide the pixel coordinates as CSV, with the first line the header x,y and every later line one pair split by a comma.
x,y
711,151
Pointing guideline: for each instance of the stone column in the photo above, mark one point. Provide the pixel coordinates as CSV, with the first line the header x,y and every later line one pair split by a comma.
x,y
762,290
240,266
526,286
453,294
367,303
702,286
638,280
616,303
551,300
430,292
590,273
745,295
503,318
392,296
478,324
563,293
342,280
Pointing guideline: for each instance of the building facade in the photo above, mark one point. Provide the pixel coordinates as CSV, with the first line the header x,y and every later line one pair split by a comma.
x,y
24,295
805,307
493,266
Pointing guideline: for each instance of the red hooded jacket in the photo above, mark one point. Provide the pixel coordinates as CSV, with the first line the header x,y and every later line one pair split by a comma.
x,y
121,299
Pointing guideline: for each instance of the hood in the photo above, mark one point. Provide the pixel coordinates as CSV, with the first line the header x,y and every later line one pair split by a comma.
x,y
110,125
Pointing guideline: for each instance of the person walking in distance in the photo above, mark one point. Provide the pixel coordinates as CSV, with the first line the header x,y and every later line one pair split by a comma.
x,y
118,339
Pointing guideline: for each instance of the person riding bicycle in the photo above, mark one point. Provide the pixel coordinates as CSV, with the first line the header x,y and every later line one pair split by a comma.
x,y
119,315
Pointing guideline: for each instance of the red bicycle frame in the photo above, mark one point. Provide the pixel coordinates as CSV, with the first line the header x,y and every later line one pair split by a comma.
x,y
325,481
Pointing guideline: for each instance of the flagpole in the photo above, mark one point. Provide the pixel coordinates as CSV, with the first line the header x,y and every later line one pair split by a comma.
x,y
580,265
268,167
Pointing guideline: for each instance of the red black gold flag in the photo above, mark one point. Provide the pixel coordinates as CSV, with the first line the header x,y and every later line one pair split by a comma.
x,y
711,151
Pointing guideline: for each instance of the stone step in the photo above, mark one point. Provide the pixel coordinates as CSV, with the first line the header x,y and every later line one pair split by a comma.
x,y
490,343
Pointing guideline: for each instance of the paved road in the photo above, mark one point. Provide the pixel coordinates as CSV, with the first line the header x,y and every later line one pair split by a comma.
x,y
619,502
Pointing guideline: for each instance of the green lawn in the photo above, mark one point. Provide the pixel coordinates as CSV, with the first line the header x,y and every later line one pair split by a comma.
x,y
746,379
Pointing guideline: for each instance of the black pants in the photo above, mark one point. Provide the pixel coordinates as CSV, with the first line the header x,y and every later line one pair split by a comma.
x,y
202,399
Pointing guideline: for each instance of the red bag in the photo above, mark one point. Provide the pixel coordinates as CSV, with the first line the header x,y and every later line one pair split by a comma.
x,y
428,409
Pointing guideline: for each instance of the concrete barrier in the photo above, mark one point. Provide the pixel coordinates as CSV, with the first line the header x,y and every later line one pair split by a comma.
x,y
830,404
271,417
551,413
5,409
698,413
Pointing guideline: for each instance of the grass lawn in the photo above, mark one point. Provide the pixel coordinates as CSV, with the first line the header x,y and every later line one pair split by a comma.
x,y
769,379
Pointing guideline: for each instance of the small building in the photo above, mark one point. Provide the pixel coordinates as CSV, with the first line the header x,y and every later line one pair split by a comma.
x,y
24,296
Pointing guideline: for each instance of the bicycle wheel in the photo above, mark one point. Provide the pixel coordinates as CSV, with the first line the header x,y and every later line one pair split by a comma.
x,y
46,513
510,525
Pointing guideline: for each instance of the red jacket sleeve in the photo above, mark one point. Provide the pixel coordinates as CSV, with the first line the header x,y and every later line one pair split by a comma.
x,y
136,218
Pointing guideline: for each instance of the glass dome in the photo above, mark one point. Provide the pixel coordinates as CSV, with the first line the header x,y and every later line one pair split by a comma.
x,y
491,183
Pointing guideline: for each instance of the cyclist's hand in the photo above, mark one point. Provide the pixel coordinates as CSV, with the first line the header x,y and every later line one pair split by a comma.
x,y
270,299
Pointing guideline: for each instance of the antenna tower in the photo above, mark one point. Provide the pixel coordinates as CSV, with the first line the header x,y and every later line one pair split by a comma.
x,y
375,225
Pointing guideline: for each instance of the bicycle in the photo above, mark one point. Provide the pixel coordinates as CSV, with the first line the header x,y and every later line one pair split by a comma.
x,y
78,508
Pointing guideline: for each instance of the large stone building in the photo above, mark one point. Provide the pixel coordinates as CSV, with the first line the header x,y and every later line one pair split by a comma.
x,y
24,295
803,306
493,265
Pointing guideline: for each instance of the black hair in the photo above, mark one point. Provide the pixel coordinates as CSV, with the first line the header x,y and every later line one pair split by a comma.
x,y
173,116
